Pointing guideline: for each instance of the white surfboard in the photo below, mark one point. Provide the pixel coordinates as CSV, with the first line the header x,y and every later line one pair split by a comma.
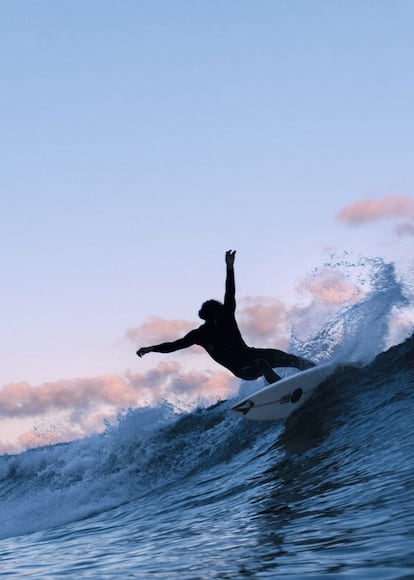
x,y
280,399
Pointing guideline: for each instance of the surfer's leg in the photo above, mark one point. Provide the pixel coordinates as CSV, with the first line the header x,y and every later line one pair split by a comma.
x,y
257,368
268,373
278,358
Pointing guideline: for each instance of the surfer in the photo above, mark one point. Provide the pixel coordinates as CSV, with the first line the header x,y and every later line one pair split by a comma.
x,y
221,338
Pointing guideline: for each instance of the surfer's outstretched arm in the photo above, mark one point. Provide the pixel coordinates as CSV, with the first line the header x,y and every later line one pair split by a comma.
x,y
166,347
230,293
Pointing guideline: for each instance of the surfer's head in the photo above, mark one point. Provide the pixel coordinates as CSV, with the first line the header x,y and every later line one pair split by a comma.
x,y
211,310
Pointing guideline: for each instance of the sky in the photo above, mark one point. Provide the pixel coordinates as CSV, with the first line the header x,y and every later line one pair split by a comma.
x,y
141,140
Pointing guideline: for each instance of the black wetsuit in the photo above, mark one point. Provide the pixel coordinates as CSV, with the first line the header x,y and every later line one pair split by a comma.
x,y
224,343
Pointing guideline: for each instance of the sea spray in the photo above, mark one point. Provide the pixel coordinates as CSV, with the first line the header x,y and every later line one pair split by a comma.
x,y
352,332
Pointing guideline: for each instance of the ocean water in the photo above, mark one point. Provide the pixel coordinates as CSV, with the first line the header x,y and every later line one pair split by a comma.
x,y
328,493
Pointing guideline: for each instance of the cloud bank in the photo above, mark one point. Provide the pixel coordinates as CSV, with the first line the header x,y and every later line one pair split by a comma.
x,y
19,400
370,210
70,409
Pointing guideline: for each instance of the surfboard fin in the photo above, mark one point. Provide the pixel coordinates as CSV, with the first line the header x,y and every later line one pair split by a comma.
x,y
244,407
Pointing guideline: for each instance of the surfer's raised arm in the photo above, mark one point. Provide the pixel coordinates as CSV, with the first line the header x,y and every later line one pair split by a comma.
x,y
230,294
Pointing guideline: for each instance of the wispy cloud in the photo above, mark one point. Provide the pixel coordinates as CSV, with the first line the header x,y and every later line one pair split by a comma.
x,y
371,210
156,330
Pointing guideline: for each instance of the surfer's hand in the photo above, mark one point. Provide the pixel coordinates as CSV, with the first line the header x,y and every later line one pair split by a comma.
x,y
143,350
230,255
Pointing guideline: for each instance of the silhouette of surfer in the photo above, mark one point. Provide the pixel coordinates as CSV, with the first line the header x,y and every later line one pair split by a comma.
x,y
221,338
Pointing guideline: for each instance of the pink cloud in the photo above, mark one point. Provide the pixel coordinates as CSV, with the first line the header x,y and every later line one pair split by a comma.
x,y
71,409
370,210
331,287
263,321
25,400
157,330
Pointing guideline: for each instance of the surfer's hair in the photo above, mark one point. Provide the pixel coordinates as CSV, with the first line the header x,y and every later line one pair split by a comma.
x,y
210,309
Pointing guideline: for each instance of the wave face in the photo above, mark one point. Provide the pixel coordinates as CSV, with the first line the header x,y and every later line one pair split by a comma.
x,y
205,494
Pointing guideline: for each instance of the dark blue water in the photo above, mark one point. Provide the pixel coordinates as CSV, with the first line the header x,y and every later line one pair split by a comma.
x,y
327,494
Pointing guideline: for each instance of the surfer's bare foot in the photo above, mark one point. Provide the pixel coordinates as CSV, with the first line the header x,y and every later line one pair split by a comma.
x,y
272,378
